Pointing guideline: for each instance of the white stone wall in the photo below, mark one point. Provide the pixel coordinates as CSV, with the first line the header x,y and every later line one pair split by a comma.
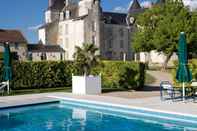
x,y
51,16
155,57
71,34
50,56
53,56
36,56
84,6
42,35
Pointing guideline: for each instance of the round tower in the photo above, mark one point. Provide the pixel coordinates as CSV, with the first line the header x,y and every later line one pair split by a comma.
x,y
51,2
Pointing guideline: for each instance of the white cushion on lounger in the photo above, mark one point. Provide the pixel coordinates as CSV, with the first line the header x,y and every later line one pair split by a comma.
x,y
167,86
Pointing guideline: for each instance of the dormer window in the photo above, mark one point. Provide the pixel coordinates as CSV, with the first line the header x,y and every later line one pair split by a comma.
x,y
67,14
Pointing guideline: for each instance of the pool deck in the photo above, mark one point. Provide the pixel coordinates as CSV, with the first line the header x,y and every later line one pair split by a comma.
x,y
152,103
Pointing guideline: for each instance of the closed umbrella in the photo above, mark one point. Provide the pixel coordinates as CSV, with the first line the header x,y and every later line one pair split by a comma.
x,y
183,73
7,70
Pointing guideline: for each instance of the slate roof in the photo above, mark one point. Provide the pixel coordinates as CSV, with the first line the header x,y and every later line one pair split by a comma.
x,y
12,36
44,48
114,18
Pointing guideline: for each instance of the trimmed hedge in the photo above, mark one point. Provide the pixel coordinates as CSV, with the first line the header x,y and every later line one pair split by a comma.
x,y
45,74
118,74
35,75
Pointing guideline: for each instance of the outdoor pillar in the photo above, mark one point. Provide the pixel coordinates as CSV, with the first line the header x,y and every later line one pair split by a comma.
x,y
124,57
183,91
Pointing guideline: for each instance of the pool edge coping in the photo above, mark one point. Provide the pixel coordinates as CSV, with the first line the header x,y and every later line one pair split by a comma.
x,y
29,104
125,106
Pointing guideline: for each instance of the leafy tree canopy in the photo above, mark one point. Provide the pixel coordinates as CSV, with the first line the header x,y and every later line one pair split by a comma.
x,y
159,28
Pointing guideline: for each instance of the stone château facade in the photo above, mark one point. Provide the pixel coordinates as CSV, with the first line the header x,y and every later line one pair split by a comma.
x,y
70,23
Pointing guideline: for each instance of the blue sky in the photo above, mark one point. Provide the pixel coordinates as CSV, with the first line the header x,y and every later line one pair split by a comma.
x,y
26,15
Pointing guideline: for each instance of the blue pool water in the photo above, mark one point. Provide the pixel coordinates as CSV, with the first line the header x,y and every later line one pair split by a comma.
x,y
69,117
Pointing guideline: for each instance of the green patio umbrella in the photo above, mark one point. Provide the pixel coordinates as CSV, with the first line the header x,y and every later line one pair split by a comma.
x,y
7,71
183,73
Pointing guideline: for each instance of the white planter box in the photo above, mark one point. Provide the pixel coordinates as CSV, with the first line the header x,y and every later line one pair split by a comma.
x,y
86,85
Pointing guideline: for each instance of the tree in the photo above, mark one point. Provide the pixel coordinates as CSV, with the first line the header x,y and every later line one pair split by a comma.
x,y
159,28
86,58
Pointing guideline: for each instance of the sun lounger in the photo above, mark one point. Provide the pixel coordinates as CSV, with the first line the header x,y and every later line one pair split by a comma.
x,y
167,88
194,89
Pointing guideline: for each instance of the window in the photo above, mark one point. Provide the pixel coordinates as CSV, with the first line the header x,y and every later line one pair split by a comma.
x,y
121,32
121,44
43,56
110,32
68,14
110,43
61,56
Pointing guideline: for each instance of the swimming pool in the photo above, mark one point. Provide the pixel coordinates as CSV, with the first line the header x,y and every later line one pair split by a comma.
x,y
80,116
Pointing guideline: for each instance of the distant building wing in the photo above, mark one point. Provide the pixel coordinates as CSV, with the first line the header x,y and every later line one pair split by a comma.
x,y
13,36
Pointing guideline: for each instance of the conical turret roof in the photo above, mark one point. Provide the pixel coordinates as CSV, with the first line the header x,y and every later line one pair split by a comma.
x,y
135,6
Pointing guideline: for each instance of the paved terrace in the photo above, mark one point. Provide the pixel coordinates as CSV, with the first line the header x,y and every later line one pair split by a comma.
x,y
148,102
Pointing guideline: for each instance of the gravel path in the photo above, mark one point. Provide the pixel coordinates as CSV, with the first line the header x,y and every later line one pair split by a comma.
x,y
160,76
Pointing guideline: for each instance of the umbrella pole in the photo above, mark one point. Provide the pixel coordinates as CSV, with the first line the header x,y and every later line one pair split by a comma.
x,y
183,91
8,86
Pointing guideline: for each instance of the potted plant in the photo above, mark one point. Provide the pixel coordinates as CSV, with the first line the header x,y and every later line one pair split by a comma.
x,y
85,58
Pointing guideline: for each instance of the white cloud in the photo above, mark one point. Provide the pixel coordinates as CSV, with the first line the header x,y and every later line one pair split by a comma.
x,y
36,27
191,3
120,9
